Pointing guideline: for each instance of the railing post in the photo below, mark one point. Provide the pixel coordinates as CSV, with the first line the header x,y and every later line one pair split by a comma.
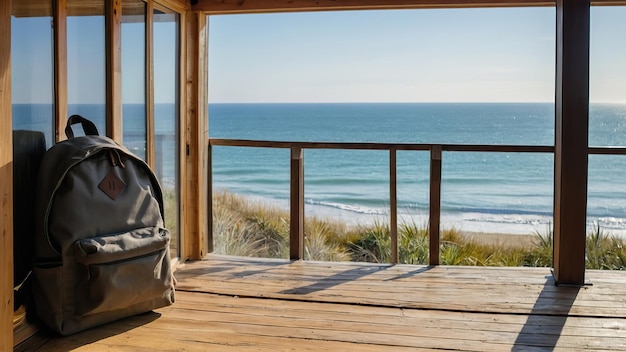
x,y
209,236
393,203
296,222
435,203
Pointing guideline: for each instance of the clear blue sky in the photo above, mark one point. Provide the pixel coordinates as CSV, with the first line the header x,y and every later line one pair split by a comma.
x,y
459,55
32,65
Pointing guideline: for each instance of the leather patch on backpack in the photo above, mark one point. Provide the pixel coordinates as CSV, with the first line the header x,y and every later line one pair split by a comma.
x,y
111,185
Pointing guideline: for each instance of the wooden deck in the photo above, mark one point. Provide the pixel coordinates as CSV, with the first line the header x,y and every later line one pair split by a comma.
x,y
243,304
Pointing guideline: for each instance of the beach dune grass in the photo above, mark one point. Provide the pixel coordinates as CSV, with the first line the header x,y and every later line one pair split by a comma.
x,y
246,227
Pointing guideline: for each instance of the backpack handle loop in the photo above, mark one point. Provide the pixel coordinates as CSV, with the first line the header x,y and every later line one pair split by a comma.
x,y
88,127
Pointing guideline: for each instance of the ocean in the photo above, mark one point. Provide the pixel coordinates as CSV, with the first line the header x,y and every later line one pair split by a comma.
x,y
481,192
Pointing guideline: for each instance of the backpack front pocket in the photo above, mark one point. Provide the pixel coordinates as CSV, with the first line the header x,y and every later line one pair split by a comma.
x,y
121,270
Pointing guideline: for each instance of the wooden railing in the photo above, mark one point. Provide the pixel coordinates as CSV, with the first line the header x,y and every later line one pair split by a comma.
x,y
296,237
297,180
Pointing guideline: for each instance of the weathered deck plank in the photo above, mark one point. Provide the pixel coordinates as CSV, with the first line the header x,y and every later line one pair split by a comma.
x,y
239,304
493,290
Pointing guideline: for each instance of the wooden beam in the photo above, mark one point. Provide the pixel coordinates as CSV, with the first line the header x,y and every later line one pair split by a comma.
x,y
85,7
31,8
60,69
40,8
608,3
256,6
571,140
383,146
435,204
296,220
178,6
6,186
113,28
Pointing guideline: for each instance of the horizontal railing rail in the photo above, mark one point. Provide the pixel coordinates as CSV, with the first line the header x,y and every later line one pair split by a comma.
x,y
607,150
296,237
382,146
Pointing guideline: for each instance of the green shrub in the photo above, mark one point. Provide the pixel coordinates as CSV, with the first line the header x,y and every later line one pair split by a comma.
x,y
373,244
319,244
604,251
541,253
414,243
247,228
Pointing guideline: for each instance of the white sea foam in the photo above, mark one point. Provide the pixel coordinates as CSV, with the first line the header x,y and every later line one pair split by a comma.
x,y
514,224
358,209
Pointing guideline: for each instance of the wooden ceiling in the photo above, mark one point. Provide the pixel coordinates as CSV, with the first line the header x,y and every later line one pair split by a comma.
x,y
259,6
40,8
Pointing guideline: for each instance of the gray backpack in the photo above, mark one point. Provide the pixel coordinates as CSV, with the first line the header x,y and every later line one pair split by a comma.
x,y
101,247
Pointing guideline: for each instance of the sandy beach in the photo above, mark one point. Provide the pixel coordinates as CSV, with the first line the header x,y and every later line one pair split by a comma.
x,y
518,235
500,239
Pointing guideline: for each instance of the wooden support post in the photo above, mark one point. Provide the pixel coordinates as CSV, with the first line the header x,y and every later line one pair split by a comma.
x,y
6,186
296,227
196,134
182,139
571,140
393,204
202,133
60,69
150,135
435,203
113,26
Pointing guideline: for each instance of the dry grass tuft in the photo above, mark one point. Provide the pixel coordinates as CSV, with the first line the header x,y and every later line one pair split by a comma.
x,y
245,227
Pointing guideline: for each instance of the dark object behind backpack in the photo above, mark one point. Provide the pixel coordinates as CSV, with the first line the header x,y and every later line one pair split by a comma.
x,y
28,150
101,248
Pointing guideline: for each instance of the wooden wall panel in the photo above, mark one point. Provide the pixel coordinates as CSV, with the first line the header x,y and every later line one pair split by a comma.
x,y
6,186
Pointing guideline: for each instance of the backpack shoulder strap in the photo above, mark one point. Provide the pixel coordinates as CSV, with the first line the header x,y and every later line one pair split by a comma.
x,y
88,127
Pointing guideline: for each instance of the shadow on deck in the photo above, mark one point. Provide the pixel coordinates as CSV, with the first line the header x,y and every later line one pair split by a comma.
x,y
250,304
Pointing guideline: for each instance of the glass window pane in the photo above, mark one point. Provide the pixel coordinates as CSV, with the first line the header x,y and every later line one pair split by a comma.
x,y
134,76
33,122
86,62
32,69
166,48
